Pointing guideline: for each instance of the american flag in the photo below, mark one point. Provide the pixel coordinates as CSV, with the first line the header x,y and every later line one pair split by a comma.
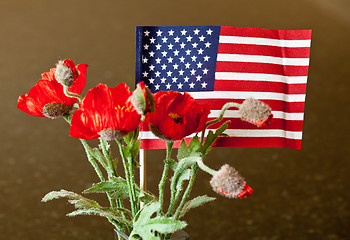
x,y
217,65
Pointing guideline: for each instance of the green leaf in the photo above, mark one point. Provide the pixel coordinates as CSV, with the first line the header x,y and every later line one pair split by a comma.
x,y
102,187
196,202
211,137
107,213
185,175
122,188
145,226
192,150
172,163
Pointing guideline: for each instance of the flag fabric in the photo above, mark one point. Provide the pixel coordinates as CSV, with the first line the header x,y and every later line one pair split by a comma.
x,y
216,65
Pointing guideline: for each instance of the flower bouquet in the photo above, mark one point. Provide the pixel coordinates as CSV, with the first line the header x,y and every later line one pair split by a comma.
x,y
116,114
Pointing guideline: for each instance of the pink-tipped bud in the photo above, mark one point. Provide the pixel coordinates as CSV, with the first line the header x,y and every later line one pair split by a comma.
x,y
142,99
111,134
56,110
229,183
66,72
255,112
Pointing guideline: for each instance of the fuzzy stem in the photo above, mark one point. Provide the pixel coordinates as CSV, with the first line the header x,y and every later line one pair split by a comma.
x,y
164,175
70,94
187,192
206,168
127,176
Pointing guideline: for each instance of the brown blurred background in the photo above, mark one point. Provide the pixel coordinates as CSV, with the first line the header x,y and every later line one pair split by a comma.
x,y
298,194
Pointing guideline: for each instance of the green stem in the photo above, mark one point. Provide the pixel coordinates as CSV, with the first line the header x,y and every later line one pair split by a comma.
x,y
127,176
70,94
187,192
164,175
206,168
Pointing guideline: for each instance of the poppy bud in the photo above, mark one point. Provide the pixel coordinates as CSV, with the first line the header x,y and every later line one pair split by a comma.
x,y
111,134
255,112
65,72
142,99
229,183
56,110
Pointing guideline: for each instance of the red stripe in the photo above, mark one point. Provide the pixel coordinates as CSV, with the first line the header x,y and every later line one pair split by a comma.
x,y
276,105
259,86
231,142
266,33
236,123
261,68
273,51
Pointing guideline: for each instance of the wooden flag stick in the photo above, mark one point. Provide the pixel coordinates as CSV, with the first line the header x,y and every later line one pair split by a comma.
x,y
143,169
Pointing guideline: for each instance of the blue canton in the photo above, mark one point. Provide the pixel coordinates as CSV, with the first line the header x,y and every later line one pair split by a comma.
x,y
178,58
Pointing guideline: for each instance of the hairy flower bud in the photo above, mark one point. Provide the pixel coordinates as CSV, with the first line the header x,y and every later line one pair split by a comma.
x,y
255,112
65,72
56,110
142,99
229,183
111,134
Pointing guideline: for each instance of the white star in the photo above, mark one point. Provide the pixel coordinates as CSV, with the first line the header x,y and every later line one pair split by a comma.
x,y
182,59
164,53
152,40
171,32
188,52
144,60
151,80
196,31
174,79
200,51
170,46
193,72
157,74
168,86
199,65
209,31
198,78
206,58
162,80
192,85
151,54
189,38
145,74
205,71
194,58
176,66
158,46
182,45
157,86
194,45
183,32
147,33
201,38
164,39
159,33
181,72
176,52
163,67
151,67
186,79
187,65
170,60
158,60
207,44
179,86
177,39
169,73
146,46
204,85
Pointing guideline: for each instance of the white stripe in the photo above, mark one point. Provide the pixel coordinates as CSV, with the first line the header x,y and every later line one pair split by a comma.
x,y
224,57
265,41
243,133
244,95
259,77
276,114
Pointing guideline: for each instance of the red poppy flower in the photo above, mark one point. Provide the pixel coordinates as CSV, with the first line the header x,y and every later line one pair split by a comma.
x,y
143,100
105,112
49,91
177,115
